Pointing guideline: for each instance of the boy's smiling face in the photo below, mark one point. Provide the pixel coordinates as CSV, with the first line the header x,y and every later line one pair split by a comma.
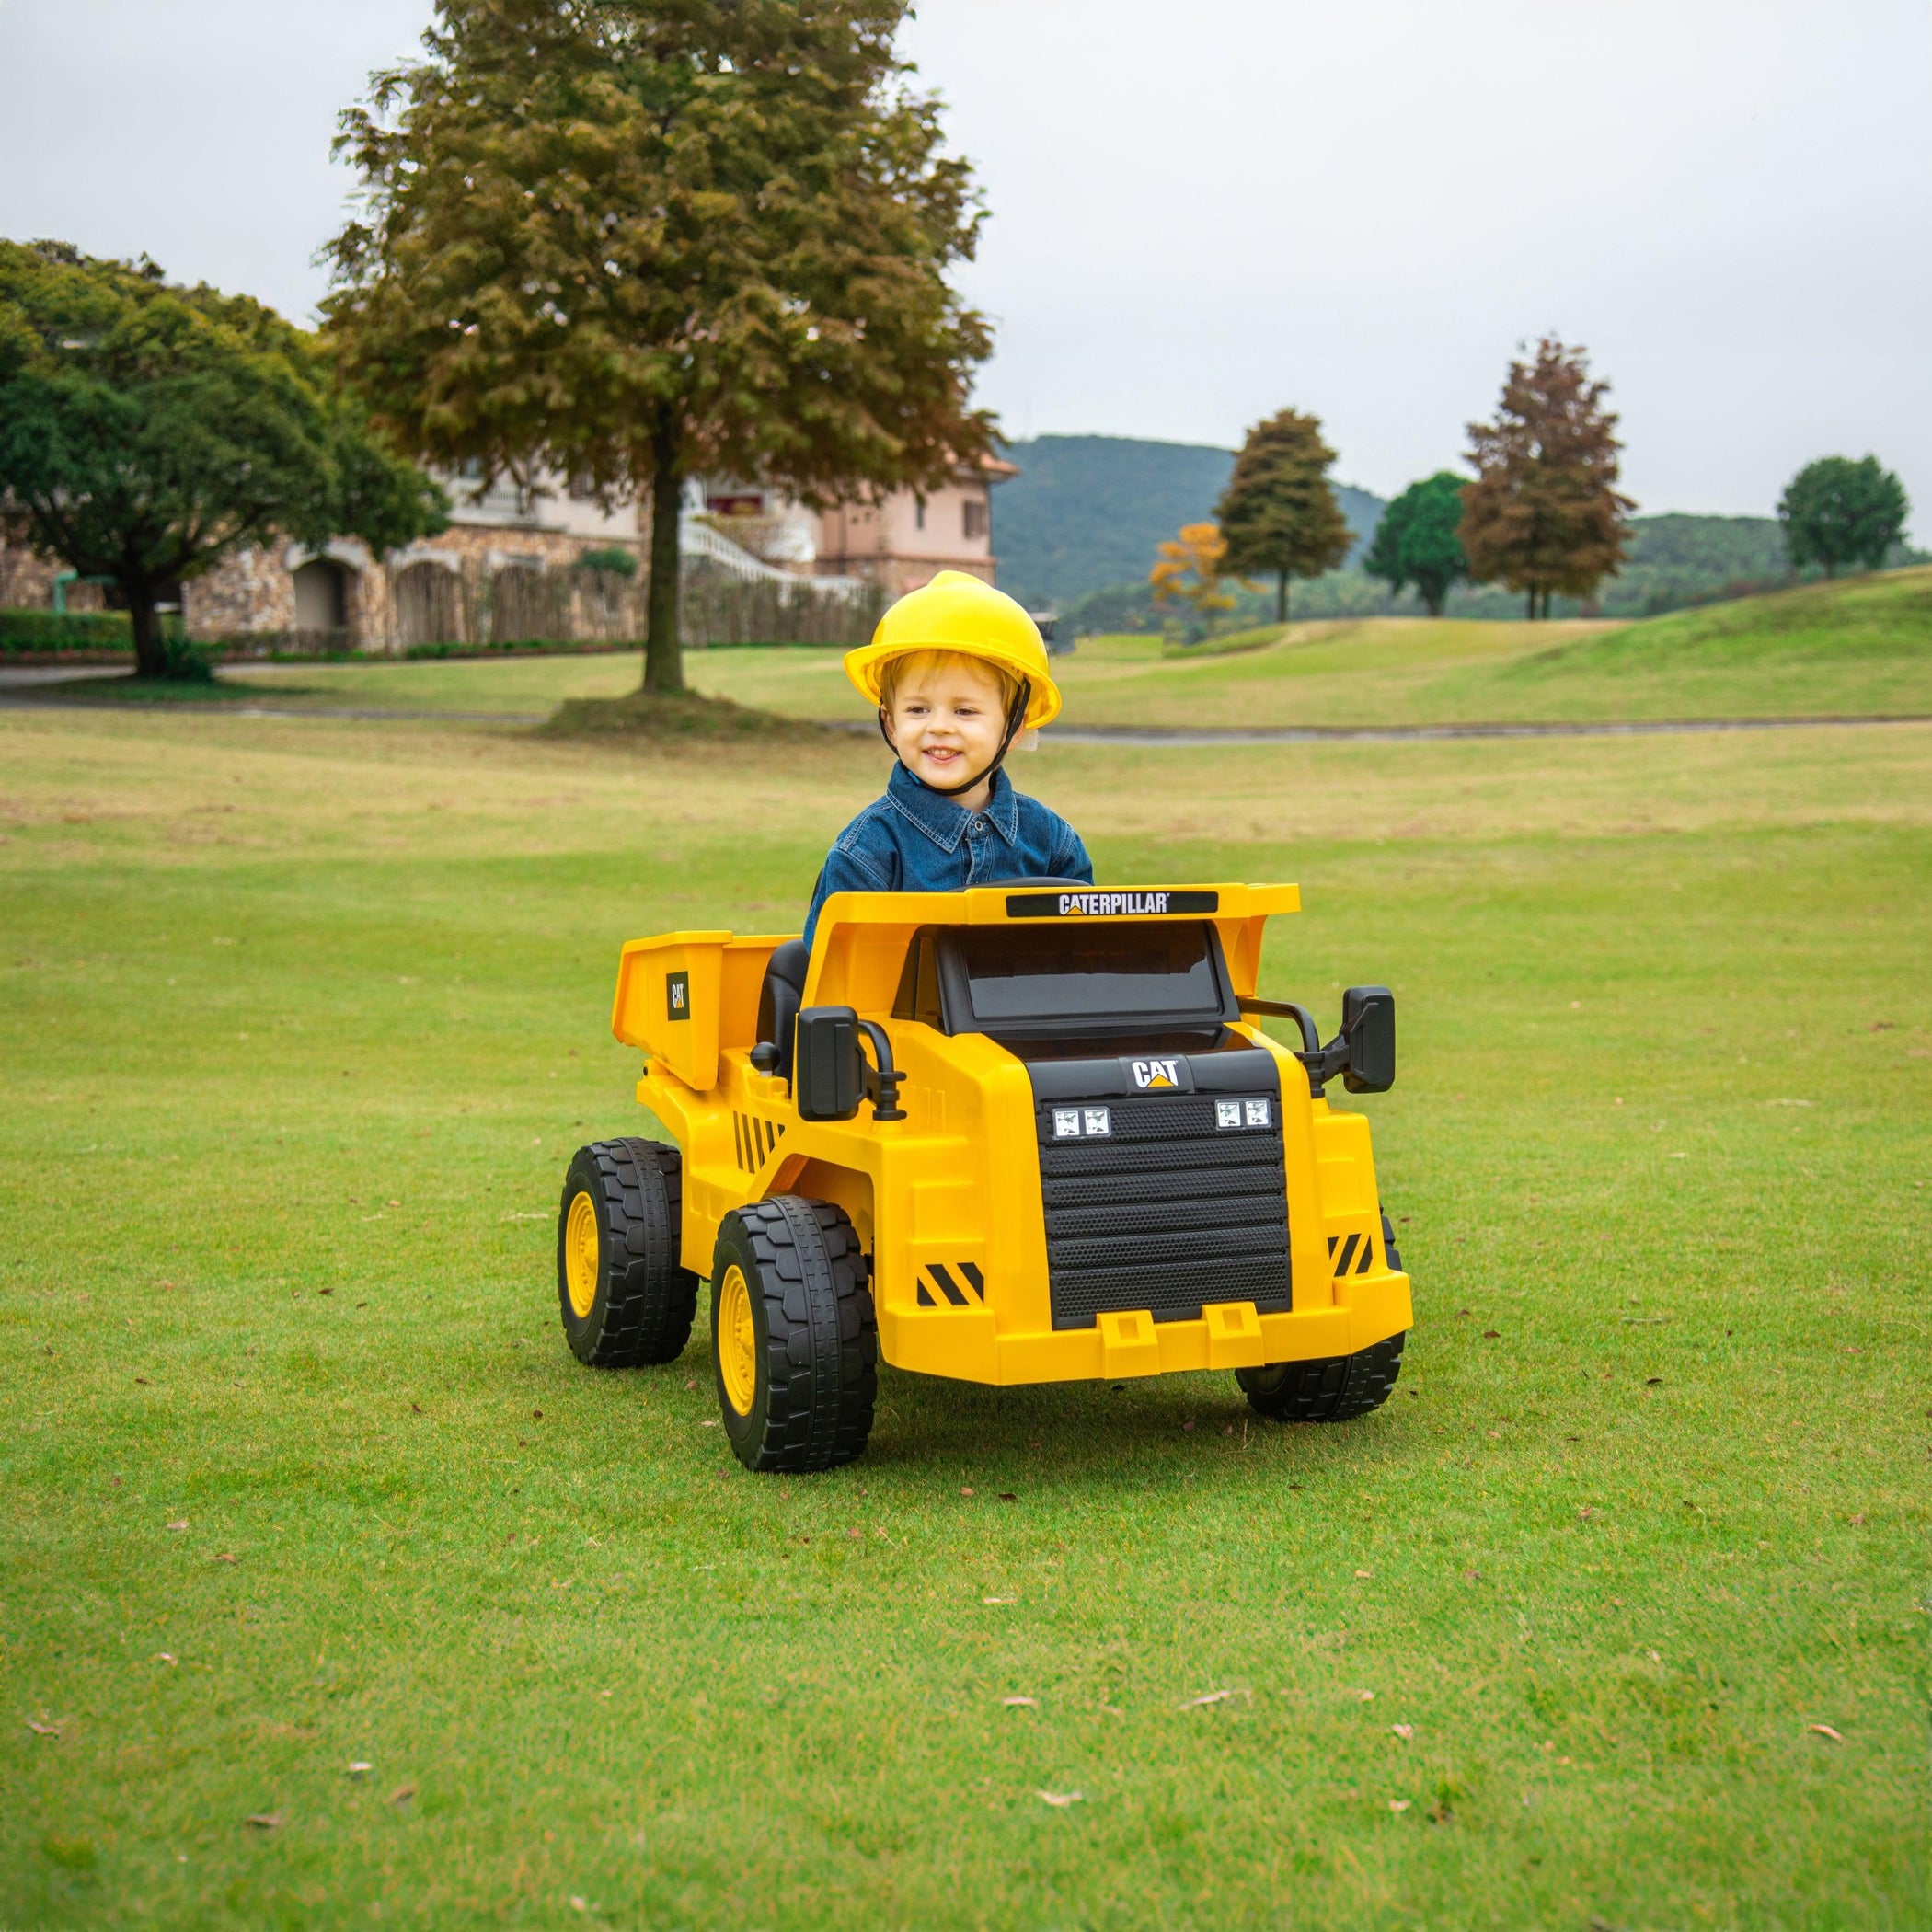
x,y
947,717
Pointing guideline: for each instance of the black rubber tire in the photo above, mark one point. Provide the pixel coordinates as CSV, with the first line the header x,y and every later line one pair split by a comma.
x,y
1334,1389
816,1339
645,1303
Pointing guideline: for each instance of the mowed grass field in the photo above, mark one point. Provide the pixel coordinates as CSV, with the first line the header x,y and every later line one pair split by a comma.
x,y
1860,648
1615,1616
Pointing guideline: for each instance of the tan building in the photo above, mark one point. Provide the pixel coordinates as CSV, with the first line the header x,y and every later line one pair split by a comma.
x,y
898,544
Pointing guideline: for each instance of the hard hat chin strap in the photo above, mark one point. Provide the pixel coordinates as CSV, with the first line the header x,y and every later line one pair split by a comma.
x,y
1016,718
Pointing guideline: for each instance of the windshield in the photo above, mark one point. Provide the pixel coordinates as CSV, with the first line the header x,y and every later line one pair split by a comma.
x,y
1075,972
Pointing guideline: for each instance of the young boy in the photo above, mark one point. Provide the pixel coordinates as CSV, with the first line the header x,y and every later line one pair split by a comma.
x,y
958,671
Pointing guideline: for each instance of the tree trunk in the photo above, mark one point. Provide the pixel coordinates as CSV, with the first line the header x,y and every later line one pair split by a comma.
x,y
1434,605
1281,597
150,658
663,656
1532,614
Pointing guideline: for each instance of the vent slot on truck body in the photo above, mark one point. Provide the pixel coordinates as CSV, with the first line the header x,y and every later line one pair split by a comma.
x,y
1155,1201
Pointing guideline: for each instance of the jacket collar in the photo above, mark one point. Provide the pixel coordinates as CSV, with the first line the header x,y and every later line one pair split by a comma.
x,y
944,821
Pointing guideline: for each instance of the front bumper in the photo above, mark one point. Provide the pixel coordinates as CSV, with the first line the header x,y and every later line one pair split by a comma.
x,y
965,1344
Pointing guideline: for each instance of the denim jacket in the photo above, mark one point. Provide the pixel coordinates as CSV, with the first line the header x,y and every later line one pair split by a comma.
x,y
915,841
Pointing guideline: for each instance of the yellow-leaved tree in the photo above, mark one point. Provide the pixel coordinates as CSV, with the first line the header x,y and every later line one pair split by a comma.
x,y
1189,570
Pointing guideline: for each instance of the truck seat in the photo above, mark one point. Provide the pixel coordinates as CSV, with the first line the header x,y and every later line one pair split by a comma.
x,y
779,997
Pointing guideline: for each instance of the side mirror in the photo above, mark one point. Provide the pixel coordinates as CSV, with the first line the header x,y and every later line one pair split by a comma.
x,y
1368,1022
831,1074
825,1074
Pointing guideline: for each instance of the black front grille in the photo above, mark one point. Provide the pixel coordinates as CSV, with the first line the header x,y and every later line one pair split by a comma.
x,y
1165,1211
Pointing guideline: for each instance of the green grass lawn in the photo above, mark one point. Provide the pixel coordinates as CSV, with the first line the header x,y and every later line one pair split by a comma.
x,y
1859,648
299,1023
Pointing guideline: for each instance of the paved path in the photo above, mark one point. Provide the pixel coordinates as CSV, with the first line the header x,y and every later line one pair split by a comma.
x,y
17,688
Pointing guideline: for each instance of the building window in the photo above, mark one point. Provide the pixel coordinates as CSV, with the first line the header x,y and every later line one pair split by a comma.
x,y
584,486
975,516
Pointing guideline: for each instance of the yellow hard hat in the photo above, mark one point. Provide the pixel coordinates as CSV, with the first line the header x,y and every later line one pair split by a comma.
x,y
957,612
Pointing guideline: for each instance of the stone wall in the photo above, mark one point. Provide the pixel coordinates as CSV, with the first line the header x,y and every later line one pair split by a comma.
x,y
462,587
27,584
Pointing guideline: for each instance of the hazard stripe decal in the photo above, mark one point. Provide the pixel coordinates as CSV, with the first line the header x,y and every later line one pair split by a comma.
x,y
947,1286
939,1289
1348,1253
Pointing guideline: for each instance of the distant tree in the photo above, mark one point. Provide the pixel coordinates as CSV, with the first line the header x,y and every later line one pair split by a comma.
x,y
1418,541
1836,511
1279,512
1190,569
147,430
1544,514
641,239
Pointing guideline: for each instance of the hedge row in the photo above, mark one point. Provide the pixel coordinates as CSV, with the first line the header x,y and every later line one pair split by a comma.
x,y
48,633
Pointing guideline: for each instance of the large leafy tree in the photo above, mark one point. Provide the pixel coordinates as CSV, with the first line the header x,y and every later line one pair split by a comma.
x,y
1279,512
1418,540
1836,511
635,240
1544,514
147,430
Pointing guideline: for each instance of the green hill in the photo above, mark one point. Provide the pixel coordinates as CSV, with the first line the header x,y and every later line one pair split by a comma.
x,y
1086,511
1852,648
1078,528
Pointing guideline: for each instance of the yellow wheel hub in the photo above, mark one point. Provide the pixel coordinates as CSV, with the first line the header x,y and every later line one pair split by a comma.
x,y
581,1255
737,1341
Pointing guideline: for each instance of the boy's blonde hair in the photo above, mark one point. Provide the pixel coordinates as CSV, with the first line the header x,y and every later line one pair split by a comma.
x,y
895,670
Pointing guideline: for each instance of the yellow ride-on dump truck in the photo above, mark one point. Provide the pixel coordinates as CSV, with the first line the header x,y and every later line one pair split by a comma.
x,y
1023,1133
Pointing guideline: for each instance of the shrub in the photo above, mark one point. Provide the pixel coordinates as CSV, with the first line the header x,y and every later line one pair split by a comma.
x,y
47,632
616,560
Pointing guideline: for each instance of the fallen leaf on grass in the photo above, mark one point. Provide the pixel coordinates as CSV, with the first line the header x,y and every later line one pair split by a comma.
x,y
1020,1703
1364,1573
43,1731
164,1657
1212,1698
1063,1799
579,1904
265,1820
1008,1496
711,1425
180,1525
1404,1731
360,1769
402,1794
965,1490
227,1555
999,1599
1825,1730
142,1380
1586,1512
1364,1696
1644,1321
1493,1334
1398,1804
1653,1382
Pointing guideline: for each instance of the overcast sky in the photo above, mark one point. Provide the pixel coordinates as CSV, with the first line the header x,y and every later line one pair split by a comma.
x,y
1203,214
